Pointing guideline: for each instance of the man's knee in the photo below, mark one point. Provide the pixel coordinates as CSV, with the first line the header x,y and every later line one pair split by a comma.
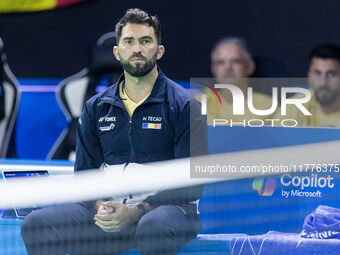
x,y
31,226
154,235
150,226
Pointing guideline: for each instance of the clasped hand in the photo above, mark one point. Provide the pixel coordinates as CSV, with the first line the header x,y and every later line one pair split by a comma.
x,y
114,216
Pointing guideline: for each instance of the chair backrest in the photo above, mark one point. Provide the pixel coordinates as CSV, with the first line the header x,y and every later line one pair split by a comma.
x,y
10,89
74,91
71,94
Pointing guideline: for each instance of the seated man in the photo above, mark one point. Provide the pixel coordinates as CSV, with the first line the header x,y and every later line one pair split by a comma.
x,y
324,80
231,63
144,117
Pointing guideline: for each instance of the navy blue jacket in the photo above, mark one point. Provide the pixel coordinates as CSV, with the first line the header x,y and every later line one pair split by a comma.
x,y
159,129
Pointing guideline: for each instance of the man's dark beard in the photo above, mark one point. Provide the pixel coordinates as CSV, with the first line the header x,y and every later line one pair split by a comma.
x,y
140,69
326,101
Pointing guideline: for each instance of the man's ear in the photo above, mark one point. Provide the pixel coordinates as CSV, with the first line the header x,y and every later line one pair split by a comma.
x,y
160,52
115,52
251,67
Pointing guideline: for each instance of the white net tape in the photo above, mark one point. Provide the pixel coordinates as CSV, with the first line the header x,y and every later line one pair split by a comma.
x,y
91,185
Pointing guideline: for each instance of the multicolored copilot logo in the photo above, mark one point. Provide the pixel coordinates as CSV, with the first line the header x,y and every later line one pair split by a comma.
x,y
265,187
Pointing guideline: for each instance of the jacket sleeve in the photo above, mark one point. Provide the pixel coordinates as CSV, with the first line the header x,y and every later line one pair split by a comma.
x,y
89,153
190,140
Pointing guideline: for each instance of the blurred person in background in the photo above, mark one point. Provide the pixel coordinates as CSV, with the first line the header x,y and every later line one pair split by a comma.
x,y
232,63
324,81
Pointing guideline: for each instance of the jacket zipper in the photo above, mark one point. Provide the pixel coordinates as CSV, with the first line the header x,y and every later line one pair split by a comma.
x,y
132,155
130,141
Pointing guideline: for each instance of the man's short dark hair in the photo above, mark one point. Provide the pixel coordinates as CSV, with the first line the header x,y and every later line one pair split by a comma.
x,y
325,51
138,16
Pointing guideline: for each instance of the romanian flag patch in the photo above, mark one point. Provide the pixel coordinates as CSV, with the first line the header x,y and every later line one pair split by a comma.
x,y
151,125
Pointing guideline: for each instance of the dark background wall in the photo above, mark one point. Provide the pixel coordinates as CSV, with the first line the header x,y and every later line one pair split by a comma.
x,y
55,44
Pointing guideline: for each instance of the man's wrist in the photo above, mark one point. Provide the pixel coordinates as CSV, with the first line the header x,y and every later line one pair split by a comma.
x,y
134,212
143,208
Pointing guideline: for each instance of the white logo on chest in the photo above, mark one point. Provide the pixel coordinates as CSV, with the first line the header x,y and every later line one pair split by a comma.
x,y
151,118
